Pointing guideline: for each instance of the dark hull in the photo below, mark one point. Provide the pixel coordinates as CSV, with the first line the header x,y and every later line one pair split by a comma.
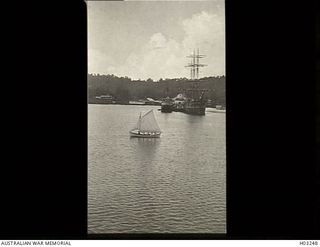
x,y
166,108
195,108
178,109
195,111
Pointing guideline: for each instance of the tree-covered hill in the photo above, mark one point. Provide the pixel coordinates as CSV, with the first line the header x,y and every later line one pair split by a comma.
x,y
125,89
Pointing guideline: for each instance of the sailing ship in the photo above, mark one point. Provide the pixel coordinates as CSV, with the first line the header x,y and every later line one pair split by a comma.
x,y
146,126
195,101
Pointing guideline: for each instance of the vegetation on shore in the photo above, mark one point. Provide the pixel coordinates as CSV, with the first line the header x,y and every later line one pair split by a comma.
x,y
125,89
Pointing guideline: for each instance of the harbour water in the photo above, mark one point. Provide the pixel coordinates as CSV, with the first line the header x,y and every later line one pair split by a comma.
x,y
172,184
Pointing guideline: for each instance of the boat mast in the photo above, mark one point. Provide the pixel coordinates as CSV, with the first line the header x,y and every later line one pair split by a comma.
x,y
139,125
195,64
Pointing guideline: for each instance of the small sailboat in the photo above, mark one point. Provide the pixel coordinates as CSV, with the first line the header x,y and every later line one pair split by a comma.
x,y
146,126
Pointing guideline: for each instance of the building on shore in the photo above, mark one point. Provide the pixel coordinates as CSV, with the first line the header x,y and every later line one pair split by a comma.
x,y
105,99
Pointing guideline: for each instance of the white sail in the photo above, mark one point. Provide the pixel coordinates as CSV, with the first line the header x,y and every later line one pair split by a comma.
x,y
148,123
137,125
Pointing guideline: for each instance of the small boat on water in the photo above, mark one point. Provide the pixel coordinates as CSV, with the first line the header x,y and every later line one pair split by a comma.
x,y
146,126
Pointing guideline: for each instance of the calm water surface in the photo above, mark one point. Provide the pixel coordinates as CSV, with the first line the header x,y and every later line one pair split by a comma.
x,y
174,184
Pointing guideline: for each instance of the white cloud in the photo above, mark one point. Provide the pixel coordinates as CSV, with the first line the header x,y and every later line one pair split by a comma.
x,y
157,40
99,62
202,30
162,57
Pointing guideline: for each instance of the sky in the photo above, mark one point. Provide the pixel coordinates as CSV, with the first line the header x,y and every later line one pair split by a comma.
x,y
152,39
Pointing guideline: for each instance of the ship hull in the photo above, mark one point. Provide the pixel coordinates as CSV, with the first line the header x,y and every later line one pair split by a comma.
x,y
135,133
144,136
166,108
178,109
195,108
195,111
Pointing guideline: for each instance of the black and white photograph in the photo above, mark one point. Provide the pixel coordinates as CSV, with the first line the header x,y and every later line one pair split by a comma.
x,y
161,120
156,117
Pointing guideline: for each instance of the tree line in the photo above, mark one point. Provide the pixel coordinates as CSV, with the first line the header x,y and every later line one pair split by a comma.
x,y
125,88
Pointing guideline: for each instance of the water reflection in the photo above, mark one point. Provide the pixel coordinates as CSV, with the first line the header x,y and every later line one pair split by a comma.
x,y
195,118
195,124
146,143
166,116
145,148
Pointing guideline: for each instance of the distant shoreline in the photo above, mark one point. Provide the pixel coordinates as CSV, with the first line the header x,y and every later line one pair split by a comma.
x,y
101,103
108,88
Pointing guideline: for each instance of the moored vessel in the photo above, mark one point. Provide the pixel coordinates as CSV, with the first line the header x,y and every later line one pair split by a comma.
x,y
195,103
167,105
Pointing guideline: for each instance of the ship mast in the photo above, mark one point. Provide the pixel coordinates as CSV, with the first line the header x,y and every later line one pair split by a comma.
x,y
194,65
195,92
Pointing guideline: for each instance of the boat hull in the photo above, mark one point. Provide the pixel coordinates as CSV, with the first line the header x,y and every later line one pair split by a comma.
x,y
195,110
195,107
166,108
144,135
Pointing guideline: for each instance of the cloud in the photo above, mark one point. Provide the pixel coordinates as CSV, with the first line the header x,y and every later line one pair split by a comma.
x,y
206,32
99,62
202,30
163,57
157,41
